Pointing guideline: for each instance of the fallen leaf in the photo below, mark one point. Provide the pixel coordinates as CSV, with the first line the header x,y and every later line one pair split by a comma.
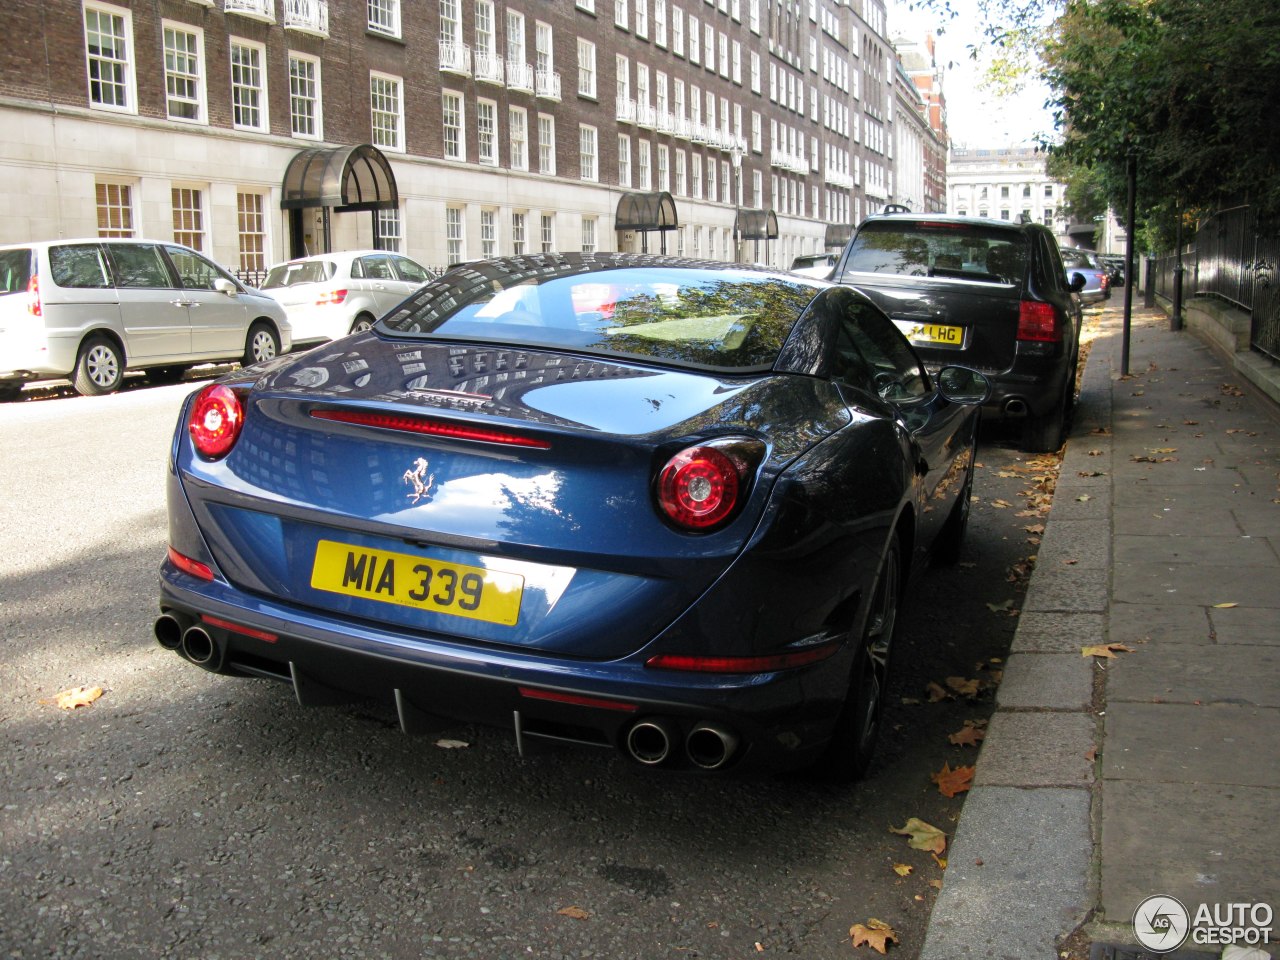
x,y
935,883
937,693
903,869
1001,607
1001,504
966,688
968,736
577,913
922,836
1108,650
452,744
1092,754
1035,528
874,934
940,861
953,781
1083,498
759,947
77,697
1225,606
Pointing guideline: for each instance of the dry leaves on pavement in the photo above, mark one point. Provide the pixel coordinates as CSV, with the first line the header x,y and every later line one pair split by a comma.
x,y
1108,650
75,697
953,781
874,934
577,913
970,735
922,836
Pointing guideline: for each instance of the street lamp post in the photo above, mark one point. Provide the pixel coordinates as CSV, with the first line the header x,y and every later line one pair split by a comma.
x,y
735,156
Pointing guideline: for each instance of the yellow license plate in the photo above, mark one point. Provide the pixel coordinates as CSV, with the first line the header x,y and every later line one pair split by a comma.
x,y
410,581
933,333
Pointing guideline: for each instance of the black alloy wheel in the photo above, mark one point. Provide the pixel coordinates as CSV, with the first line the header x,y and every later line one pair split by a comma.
x,y
857,729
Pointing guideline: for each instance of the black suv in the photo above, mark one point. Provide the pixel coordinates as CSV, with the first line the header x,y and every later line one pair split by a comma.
x,y
987,294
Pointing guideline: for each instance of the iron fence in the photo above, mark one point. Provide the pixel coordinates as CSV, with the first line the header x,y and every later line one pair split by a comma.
x,y
1234,258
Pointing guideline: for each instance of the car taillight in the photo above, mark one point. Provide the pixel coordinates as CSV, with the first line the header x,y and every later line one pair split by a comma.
x,y
217,417
1104,282
703,485
1038,321
333,296
193,567
34,306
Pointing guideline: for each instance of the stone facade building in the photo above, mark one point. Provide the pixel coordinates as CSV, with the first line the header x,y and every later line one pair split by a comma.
x,y
450,130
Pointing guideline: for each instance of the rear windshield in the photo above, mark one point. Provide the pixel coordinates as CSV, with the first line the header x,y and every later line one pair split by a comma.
x,y
1078,258
946,250
15,270
720,318
290,274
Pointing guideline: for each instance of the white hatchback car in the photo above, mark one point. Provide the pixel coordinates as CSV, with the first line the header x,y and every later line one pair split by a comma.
x,y
332,294
90,309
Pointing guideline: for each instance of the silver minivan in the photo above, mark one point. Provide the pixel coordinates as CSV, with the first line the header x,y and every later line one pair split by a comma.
x,y
88,310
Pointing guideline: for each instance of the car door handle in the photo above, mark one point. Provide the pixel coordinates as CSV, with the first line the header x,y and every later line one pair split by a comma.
x,y
184,303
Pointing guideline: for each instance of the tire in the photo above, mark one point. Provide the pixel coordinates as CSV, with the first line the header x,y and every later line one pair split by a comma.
x,y
1047,433
164,375
853,741
262,343
99,367
950,542
361,323
10,392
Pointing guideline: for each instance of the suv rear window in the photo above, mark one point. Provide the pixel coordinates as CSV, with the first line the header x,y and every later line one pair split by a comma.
x,y
79,265
957,251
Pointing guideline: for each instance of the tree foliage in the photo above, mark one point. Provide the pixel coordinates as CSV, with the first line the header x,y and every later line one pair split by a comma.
x,y
1183,86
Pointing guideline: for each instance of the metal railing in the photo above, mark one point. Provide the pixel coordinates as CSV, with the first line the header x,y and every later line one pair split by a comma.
x,y
1233,258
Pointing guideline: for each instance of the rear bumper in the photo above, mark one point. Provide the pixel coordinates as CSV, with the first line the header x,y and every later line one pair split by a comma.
x,y
780,720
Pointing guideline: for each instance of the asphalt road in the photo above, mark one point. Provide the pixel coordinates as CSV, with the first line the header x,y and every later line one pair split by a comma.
x,y
189,815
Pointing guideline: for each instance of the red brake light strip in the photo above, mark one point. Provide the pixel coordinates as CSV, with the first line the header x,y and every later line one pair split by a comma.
x,y
435,428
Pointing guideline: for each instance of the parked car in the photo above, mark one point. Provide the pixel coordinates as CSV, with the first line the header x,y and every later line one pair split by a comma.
x,y
657,505
817,265
990,294
91,309
332,294
1114,265
1097,284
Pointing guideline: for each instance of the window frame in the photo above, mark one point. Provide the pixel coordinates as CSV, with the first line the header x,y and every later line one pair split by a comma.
x,y
316,100
127,81
263,100
197,78
392,81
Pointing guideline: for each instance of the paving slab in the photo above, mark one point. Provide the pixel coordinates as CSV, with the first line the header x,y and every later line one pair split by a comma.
x,y
1225,550
1197,585
1016,876
1175,742
1159,622
1210,674
1153,517
1037,750
1046,681
1253,625
1210,852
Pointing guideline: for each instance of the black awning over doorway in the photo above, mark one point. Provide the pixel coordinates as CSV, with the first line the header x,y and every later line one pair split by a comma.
x,y
340,178
753,224
645,212
838,234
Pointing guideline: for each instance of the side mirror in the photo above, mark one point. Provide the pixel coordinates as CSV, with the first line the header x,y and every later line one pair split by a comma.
x,y
1077,282
223,285
962,385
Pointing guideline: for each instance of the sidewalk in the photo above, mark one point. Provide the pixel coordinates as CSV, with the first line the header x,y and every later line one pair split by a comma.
x,y
1103,781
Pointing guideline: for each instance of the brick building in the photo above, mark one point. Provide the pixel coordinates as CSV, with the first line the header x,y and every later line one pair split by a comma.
x,y
448,129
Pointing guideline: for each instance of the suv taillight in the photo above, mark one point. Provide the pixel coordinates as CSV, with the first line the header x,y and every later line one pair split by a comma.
x,y
333,296
34,307
1038,321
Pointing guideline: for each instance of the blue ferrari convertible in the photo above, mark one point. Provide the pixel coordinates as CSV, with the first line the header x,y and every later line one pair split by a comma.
x,y
652,504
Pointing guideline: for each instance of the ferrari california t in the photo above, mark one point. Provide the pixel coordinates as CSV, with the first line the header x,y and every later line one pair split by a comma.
x,y
651,504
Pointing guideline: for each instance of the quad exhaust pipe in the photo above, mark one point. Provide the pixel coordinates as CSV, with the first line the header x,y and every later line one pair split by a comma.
x,y
708,746
194,642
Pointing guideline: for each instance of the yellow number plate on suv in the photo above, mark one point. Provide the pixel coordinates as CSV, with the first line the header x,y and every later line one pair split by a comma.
x,y
934,333
401,578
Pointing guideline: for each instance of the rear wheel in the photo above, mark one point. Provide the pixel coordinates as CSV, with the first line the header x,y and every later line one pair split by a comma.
x,y
853,741
99,368
261,344
361,323
10,391
1045,433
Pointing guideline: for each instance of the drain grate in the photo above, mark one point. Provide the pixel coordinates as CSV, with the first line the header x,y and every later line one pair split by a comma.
x,y
1120,951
